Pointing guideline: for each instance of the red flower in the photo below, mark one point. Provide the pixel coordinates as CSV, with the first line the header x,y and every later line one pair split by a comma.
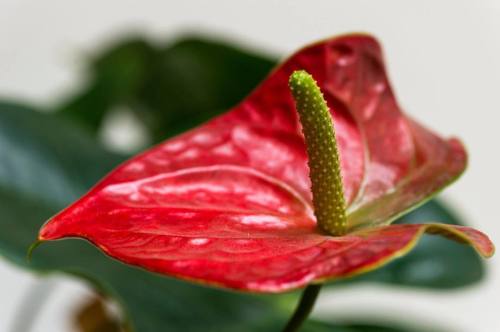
x,y
229,203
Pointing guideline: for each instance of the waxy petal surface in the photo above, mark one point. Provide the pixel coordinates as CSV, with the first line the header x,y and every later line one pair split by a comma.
x,y
258,253
229,203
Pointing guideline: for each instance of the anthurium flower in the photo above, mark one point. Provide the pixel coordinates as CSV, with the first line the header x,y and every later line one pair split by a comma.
x,y
234,203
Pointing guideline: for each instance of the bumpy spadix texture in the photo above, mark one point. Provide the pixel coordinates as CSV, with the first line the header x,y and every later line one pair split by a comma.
x,y
229,203
323,159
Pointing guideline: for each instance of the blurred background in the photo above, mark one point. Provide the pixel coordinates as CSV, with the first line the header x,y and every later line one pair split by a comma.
x,y
444,62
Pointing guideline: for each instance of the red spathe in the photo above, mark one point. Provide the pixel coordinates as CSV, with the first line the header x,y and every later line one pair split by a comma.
x,y
229,204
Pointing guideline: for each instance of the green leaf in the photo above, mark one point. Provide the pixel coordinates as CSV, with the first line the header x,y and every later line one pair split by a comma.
x,y
170,88
116,78
45,164
326,327
44,158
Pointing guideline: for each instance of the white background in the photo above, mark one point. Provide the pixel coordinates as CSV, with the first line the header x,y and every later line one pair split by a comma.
x,y
443,57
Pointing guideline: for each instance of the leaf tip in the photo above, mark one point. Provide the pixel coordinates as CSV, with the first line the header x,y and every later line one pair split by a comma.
x,y
32,248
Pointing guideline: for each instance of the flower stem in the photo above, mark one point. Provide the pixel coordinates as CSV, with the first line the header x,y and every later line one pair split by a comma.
x,y
304,308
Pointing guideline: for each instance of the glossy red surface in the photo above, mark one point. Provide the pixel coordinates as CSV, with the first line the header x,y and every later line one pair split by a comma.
x,y
229,203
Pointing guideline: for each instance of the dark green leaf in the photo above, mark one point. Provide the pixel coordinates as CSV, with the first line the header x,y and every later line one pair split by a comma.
x,y
171,88
117,77
194,80
327,327
45,158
